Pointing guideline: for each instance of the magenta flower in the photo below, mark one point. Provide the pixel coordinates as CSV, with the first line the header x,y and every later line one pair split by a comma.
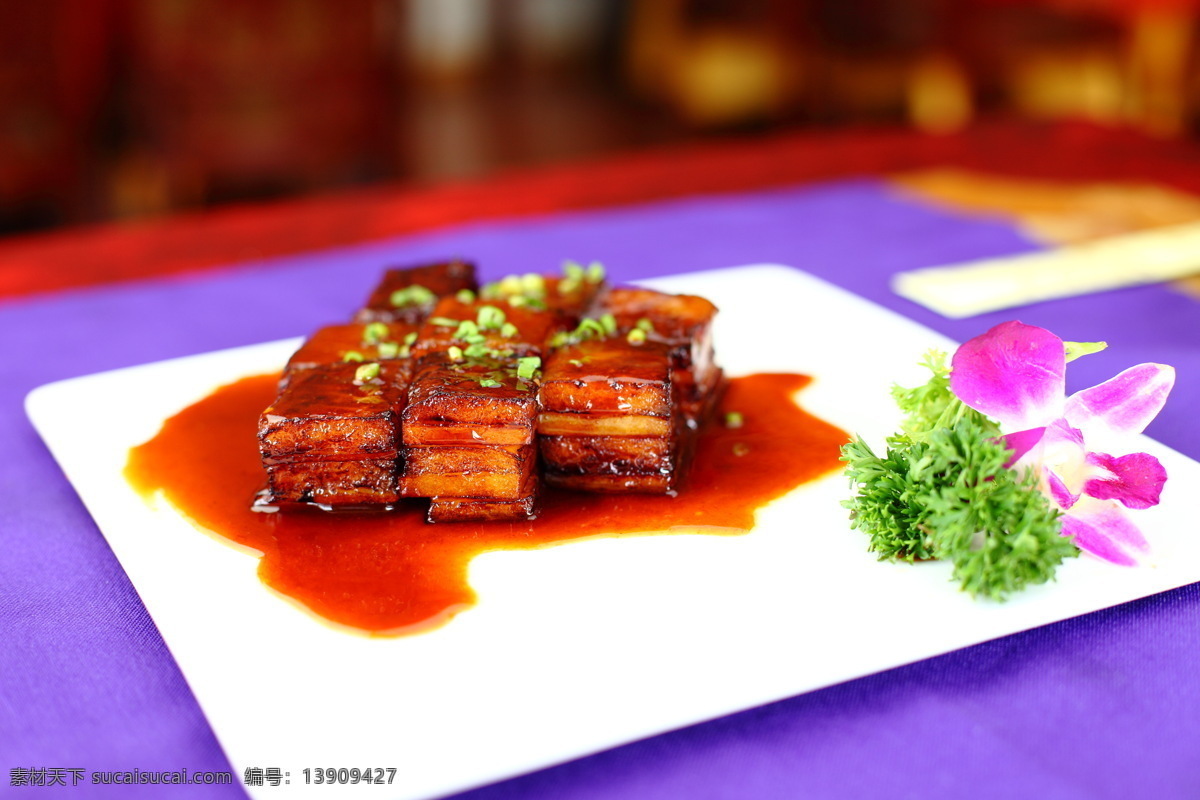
x,y
1014,373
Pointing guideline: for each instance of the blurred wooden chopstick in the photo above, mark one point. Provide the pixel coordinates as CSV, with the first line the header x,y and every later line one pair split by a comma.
x,y
975,287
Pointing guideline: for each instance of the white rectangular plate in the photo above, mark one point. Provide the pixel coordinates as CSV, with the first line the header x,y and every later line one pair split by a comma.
x,y
642,634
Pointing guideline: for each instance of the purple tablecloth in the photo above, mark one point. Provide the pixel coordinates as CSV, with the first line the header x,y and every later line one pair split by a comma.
x,y
1105,705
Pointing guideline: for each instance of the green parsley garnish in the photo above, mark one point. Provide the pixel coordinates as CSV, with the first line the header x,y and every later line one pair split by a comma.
x,y
941,490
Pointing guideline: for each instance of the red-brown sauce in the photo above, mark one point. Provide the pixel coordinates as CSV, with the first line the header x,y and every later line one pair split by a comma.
x,y
391,573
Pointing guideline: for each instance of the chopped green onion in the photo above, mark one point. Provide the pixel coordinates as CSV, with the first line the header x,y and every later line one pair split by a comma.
x,y
575,362
444,322
465,296
734,419
573,270
410,339
415,295
490,318
609,322
636,336
588,328
508,330
455,353
528,366
646,325
466,328
366,372
533,284
352,355
595,272
476,350
374,333
389,349
488,383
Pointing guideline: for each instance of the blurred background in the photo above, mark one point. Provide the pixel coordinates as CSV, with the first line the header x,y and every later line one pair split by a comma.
x,y
120,109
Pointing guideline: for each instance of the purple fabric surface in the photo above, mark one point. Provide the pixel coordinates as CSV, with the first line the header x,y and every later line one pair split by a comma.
x,y
1105,705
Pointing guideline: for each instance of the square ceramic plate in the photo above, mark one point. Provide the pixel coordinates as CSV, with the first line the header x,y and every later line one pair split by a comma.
x,y
643,634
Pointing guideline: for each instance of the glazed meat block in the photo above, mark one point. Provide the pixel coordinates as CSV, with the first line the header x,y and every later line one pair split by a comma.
x,y
608,376
684,322
325,413
651,483
369,482
333,344
507,331
613,455
480,402
409,294
465,509
492,473
332,436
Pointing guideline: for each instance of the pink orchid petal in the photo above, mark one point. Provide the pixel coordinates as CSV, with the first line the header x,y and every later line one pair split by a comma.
x,y
1101,528
1125,403
1021,443
1059,492
1013,373
1136,480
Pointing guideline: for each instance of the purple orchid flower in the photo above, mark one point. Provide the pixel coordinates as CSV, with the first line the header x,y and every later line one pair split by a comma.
x,y
1014,373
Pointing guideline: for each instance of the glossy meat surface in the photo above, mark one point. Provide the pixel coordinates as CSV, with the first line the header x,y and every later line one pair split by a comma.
x,y
560,424
614,455
608,376
466,509
330,344
362,482
441,280
653,483
504,329
496,473
323,413
449,403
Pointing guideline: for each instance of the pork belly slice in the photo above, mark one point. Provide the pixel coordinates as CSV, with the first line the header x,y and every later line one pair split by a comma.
x,y
497,328
683,322
558,424
609,455
466,509
479,401
608,376
408,294
362,482
326,413
360,342
632,483
490,473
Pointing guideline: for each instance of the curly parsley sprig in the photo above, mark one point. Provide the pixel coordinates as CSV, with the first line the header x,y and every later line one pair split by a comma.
x,y
941,490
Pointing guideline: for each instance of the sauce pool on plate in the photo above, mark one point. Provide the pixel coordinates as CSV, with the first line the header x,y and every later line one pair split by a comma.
x,y
391,573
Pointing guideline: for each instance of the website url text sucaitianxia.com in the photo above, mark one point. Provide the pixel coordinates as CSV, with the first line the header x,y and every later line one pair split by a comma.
x,y
78,776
